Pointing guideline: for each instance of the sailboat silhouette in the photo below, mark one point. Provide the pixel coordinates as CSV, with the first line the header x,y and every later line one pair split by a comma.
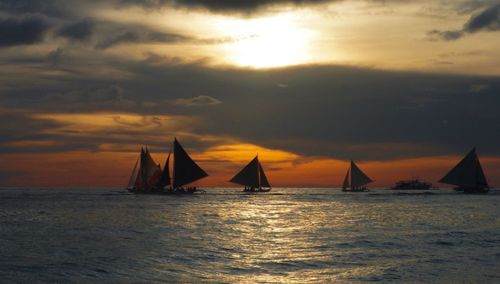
x,y
149,178
355,179
468,175
252,176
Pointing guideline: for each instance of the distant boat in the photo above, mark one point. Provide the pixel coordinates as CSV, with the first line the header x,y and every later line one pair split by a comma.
x,y
467,175
252,176
355,180
148,177
412,184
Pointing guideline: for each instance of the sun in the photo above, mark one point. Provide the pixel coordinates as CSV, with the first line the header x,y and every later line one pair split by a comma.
x,y
266,42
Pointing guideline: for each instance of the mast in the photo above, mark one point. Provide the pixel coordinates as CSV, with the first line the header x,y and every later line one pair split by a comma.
x,y
252,175
185,169
259,170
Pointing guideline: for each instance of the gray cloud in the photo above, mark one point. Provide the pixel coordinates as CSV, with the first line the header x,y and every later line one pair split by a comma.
x,y
198,101
486,20
136,34
97,98
136,37
53,8
81,30
247,6
26,30
54,57
324,111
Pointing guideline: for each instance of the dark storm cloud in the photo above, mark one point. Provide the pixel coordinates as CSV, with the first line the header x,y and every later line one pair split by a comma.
x,y
52,8
334,111
26,30
20,126
487,20
140,37
220,5
81,30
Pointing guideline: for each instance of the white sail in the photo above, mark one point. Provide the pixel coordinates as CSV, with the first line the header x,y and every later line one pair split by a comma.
x,y
467,173
133,176
149,170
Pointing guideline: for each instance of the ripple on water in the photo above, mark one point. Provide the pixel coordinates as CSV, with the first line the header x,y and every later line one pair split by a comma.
x,y
291,235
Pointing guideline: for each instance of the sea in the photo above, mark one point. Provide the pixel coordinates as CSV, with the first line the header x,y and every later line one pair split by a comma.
x,y
289,235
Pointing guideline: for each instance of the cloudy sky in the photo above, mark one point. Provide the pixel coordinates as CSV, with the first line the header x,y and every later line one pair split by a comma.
x,y
404,87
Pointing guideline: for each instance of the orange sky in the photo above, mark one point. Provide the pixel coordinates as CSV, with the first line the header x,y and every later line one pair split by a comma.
x,y
112,169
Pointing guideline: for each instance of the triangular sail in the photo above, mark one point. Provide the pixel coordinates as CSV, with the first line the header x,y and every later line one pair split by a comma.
x,y
358,178
185,169
133,176
263,179
165,175
149,170
249,175
467,173
481,178
346,180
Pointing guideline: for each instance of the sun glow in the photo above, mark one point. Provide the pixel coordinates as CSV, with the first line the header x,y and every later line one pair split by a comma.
x,y
266,42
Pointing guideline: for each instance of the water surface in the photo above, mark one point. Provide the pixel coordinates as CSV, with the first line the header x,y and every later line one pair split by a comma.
x,y
288,235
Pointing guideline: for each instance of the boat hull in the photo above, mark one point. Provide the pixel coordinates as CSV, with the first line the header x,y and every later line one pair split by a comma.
x,y
166,192
355,189
248,190
473,190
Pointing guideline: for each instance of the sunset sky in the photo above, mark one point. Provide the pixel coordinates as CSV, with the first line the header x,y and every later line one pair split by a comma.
x,y
405,88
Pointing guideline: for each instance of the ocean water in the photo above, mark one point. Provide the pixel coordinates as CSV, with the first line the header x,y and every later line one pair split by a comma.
x,y
288,235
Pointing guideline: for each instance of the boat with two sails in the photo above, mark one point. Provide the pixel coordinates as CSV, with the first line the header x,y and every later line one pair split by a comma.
x,y
149,178
252,176
355,179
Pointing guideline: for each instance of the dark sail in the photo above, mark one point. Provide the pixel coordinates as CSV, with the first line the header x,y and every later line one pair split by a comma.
x,y
185,169
263,179
481,178
467,173
133,176
358,178
346,180
143,170
165,175
249,175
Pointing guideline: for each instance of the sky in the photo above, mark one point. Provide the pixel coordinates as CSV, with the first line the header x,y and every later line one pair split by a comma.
x,y
404,88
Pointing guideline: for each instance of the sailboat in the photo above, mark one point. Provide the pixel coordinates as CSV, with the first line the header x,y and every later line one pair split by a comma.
x,y
148,177
252,176
467,175
355,180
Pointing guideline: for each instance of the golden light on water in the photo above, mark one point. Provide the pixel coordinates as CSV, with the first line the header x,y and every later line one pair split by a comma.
x,y
266,42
